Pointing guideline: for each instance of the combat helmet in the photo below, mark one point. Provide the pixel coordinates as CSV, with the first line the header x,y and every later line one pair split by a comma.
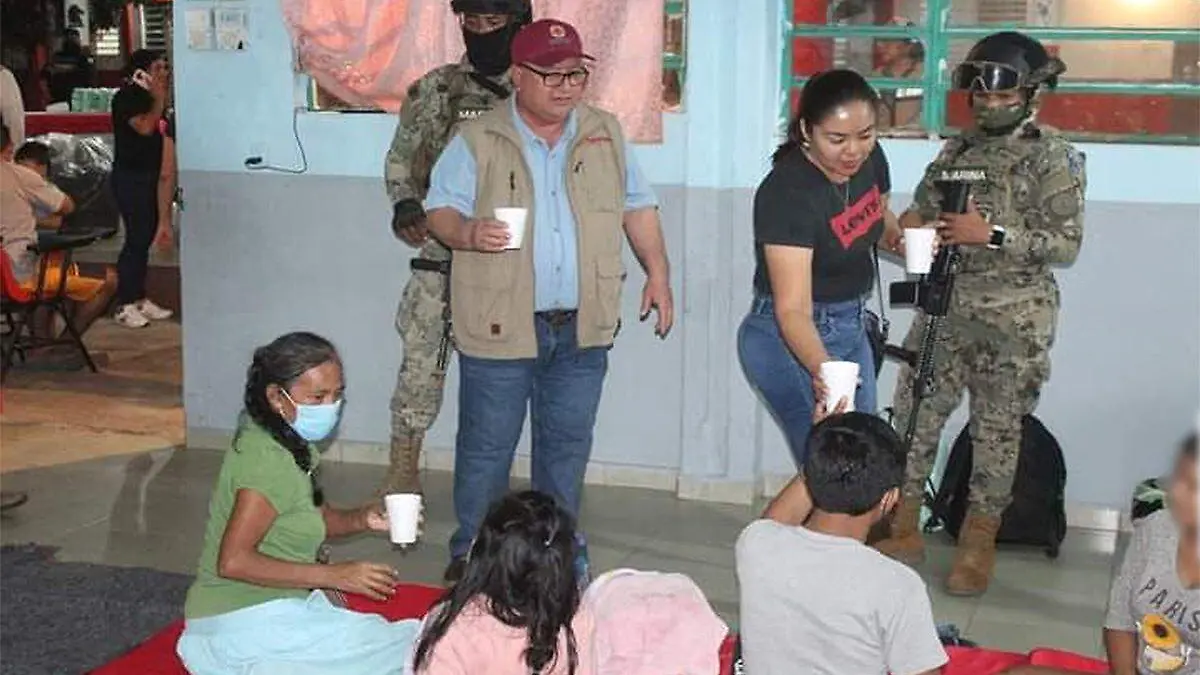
x,y
1006,61
521,9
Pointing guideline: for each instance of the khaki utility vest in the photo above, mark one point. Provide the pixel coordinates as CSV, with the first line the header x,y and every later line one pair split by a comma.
x,y
492,294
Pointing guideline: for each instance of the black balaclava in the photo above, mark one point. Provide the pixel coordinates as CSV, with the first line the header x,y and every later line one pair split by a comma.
x,y
491,53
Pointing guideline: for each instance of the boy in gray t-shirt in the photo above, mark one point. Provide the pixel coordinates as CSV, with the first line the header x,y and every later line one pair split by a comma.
x,y
814,598
1153,621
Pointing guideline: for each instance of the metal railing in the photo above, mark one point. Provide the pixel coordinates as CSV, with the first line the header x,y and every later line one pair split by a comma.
x,y
937,33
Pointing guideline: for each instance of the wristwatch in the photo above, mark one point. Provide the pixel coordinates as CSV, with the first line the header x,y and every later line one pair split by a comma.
x,y
997,239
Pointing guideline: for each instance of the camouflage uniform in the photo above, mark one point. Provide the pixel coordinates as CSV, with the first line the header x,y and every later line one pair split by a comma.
x,y
998,331
434,105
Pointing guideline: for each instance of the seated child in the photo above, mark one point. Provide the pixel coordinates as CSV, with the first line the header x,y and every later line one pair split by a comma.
x,y
814,598
24,193
516,609
1153,621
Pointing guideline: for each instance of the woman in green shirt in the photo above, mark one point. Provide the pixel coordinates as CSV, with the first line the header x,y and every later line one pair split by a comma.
x,y
258,603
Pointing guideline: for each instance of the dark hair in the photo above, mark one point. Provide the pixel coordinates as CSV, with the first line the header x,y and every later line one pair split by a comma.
x,y
522,566
1188,449
852,462
281,363
142,59
822,94
5,135
34,152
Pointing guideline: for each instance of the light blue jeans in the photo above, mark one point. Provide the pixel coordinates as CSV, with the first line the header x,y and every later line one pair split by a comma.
x,y
785,385
297,636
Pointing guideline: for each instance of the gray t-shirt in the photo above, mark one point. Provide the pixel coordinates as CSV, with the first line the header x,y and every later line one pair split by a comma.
x,y
1148,600
823,605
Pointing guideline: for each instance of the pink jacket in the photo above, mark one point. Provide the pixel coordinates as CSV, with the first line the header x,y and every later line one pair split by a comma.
x,y
652,623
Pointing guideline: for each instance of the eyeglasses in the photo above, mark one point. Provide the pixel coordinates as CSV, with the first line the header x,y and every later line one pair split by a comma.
x,y
574,78
483,23
986,76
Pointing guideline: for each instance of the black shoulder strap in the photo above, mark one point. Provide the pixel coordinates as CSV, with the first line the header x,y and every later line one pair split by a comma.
x,y
883,321
487,83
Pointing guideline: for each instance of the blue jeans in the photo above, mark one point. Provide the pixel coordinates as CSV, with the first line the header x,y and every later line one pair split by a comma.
x,y
562,388
137,200
784,384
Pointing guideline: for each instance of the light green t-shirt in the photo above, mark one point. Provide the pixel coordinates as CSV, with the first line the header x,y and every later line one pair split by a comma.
x,y
257,462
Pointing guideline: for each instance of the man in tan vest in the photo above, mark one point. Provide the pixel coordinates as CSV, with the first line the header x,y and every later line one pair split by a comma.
x,y
535,311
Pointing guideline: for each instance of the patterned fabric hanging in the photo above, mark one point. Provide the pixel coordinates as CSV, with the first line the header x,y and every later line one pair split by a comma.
x,y
367,52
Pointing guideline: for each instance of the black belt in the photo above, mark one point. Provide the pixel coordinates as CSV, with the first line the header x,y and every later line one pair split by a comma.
x,y
557,317
423,265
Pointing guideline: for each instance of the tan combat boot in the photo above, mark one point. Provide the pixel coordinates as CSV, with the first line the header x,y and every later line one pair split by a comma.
x,y
404,466
976,555
905,542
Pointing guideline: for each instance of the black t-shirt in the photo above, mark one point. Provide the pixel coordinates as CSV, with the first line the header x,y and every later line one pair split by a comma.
x,y
796,205
133,151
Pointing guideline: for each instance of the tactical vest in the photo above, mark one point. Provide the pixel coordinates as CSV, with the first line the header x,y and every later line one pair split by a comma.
x,y
1005,184
492,294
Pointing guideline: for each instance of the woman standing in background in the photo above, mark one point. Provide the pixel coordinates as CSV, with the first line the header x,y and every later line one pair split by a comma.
x,y
143,180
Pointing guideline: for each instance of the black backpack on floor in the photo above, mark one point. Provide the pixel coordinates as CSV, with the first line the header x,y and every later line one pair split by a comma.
x,y
1037,515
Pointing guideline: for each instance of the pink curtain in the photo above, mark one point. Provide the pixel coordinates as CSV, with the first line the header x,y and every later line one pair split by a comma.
x,y
368,52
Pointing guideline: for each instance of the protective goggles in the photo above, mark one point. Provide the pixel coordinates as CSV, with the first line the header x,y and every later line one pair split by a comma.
x,y
986,76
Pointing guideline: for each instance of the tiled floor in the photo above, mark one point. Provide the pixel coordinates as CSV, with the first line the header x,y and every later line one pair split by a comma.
x,y
149,510
93,452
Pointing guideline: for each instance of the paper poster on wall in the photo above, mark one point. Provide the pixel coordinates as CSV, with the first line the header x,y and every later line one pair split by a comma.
x,y
77,19
233,29
199,28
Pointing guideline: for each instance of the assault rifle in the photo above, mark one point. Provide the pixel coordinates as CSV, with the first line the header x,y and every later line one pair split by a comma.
x,y
931,293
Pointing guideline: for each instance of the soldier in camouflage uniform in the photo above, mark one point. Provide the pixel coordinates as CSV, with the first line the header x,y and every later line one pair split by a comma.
x,y
434,105
1027,186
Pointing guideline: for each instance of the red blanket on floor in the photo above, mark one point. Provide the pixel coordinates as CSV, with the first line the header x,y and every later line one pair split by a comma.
x,y
975,661
156,656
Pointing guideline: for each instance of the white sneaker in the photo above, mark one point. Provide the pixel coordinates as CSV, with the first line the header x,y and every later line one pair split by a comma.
x,y
129,317
153,312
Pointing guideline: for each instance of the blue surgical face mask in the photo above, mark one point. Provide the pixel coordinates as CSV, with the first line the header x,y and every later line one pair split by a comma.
x,y
315,421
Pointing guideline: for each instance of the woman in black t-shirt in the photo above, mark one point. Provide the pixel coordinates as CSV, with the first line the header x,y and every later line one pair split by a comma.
x,y
817,215
143,181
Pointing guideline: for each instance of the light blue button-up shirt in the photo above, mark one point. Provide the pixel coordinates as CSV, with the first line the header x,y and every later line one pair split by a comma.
x,y
555,254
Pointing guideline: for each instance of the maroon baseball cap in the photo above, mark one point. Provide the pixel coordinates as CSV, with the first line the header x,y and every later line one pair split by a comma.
x,y
546,42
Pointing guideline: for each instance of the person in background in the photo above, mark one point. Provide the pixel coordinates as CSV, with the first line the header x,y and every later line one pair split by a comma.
x,y
431,111
12,107
817,216
1152,626
533,325
25,193
259,603
1025,216
516,609
903,59
873,616
69,69
143,180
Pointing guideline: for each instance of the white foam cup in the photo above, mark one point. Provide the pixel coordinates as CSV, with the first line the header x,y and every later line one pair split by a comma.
x,y
841,381
514,217
918,249
404,517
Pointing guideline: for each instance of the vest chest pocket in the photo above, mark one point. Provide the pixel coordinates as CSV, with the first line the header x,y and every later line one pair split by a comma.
x,y
610,277
595,177
484,306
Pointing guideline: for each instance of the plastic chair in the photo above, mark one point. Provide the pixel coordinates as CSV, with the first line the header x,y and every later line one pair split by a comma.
x,y
20,304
